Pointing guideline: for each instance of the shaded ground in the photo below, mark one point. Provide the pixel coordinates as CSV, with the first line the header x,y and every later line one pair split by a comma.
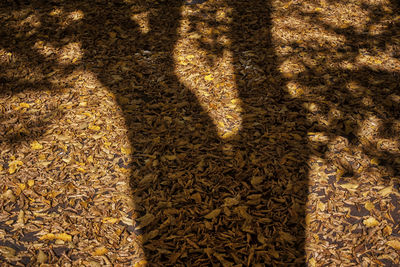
x,y
230,133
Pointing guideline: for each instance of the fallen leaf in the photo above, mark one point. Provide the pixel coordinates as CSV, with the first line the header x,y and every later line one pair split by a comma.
x,y
61,236
110,220
41,257
141,263
387,230
385,191
94,127
213,214
208,77
146,220
100,251
371,222
24,105
7,252
369,206
36,145
394,244
349,186
257,180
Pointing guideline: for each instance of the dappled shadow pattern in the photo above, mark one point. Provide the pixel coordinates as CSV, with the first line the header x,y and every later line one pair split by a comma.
x,y
200,198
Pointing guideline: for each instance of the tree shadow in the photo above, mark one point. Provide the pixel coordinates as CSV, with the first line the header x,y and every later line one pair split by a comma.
x,y
199,199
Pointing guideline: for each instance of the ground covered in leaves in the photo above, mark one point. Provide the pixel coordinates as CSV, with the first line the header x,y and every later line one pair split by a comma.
x,y
223,133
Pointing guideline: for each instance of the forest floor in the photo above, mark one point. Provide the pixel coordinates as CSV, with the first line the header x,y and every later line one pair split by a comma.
x,y
223,133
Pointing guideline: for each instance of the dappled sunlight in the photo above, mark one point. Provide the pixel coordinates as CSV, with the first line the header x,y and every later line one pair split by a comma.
x,y
142,19
339,58
210,77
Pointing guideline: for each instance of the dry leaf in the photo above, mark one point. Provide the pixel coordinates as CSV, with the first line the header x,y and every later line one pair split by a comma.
x,y
100,251
371,222
213,214
61,236
208,77
386,191
349,186
369,206
110,220
41,257
36,145
394,244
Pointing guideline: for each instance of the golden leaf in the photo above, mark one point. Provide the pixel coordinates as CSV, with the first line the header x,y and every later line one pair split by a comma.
x,y
387,230
141,263
321,206
110,220
385,191
22,186
31,183
349,186
24,105
394,244
94,127
213,214
13,166
126,150
369,206
312,262
371,222
36,145
100,251
61,236
208,77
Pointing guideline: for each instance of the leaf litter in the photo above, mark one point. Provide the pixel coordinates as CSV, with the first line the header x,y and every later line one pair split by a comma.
x,y
226,133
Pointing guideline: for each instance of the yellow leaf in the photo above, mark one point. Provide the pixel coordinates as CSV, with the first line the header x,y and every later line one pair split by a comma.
x,y
126,150
190,57
369,206
13,166
36,145
213,214
110,220
371,222
48,237
349,186
81,169
94,127
321,206
208,77
312,262
100,251
394,244
387,230
141,263
374,161
385,191
64,237
22,186
24,105
31,183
